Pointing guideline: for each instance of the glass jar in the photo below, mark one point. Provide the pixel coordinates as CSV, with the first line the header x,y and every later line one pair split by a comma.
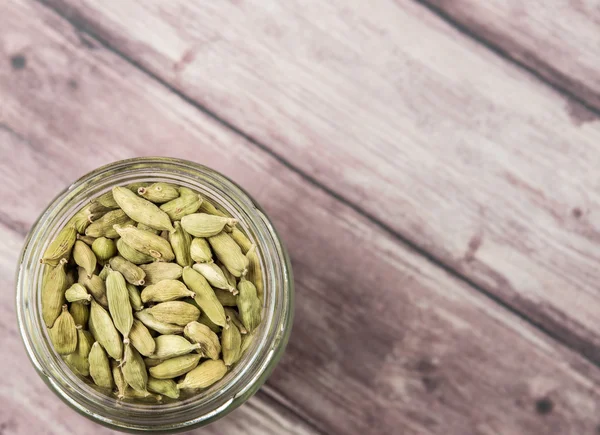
x,y
241,382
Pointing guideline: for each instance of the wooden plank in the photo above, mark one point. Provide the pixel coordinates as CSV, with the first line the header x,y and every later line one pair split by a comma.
x,y
384,341
457,150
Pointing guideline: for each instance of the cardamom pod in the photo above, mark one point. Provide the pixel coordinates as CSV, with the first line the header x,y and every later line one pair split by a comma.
x,y
60,247
119,379
142,211
205,375
159,193
247,341
95,285
135,297
79,360
53,293
233,315
84,257
151,322
131,255
104,272
205,296
165,291
71,278
214,275
200,251
100,367
188,202
86,239
171,346
176,312
166,387
104,249
249,305
255,274
230,278
105,202
77,293
153,362
64,333
104,227
210,346
144,396
118,303
241,239
146,243
231,343
209,208
205,225
175,367
80,313
147,228
227,299
134,369
141,338
229,253
159,271
104,331
181,242
132,274
205,320
80,220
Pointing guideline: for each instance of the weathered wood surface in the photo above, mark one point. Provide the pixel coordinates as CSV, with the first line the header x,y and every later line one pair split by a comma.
x,y
557,39
384,342
468,157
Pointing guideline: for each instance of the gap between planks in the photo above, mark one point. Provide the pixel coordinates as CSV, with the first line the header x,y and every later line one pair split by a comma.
x,y
81,27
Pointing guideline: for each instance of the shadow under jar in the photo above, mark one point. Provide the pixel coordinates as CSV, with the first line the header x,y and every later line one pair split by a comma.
x,y
240,383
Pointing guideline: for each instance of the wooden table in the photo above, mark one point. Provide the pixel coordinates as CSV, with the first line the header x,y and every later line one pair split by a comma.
x,y
432,165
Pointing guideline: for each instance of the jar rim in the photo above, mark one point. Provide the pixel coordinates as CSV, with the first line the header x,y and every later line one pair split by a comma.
x,y
242,381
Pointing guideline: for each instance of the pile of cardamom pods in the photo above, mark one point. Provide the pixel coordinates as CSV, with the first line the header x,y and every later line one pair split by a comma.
x,y
149,290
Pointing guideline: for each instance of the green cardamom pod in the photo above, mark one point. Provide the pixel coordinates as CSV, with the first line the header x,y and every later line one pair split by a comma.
x,y
104,272
181,242
240,238
146,243
80,313
205,225
159,271
118,303
64,333
80,221
232,280
209,208
132,274
95,285
104,249
200,251
176,312
100,367
227,299
105,202
214,275
141,210
247,341
235,319
104,227
135,297
171,346
86,239
141,338
151,322
166,387
79,360
249,305
104,331
119,379
159,193
229,254
231,344
84,257
175,367
147,228
60,247
165,291
255,274
189,202
205,296
131,255
134,369
210,346
53,293
206,374
144,396
205,320
77,293
153,362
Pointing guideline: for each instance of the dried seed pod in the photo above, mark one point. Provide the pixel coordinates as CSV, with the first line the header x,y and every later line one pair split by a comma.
x,y
147,228
200,251
64,333
134,369
210,346
166,387
214,275
181,242
84,257
209,208
81,219
176,312
135,297
229,253
132,274
205,375
227,299
53,293
204,296
165,291
100,367
118,303
247,341
141,338
249,305
205,225
86,239
231,344
77,293
255,274
104,331
104,249
96,286
175,367
151,322
189,202
146,243
142,211
119,379
240,238
235,319
157,272
205,320
159,193
104,272
60,247
171,346
80,313
104,227
131,255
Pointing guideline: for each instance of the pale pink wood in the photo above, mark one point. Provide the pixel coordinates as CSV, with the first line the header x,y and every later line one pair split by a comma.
x,y
457,150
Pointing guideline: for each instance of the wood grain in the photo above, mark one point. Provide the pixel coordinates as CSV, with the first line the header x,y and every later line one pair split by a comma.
x,y
384,341
456,150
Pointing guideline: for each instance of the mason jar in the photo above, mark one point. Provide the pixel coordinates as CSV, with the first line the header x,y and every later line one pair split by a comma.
x,y
240,383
